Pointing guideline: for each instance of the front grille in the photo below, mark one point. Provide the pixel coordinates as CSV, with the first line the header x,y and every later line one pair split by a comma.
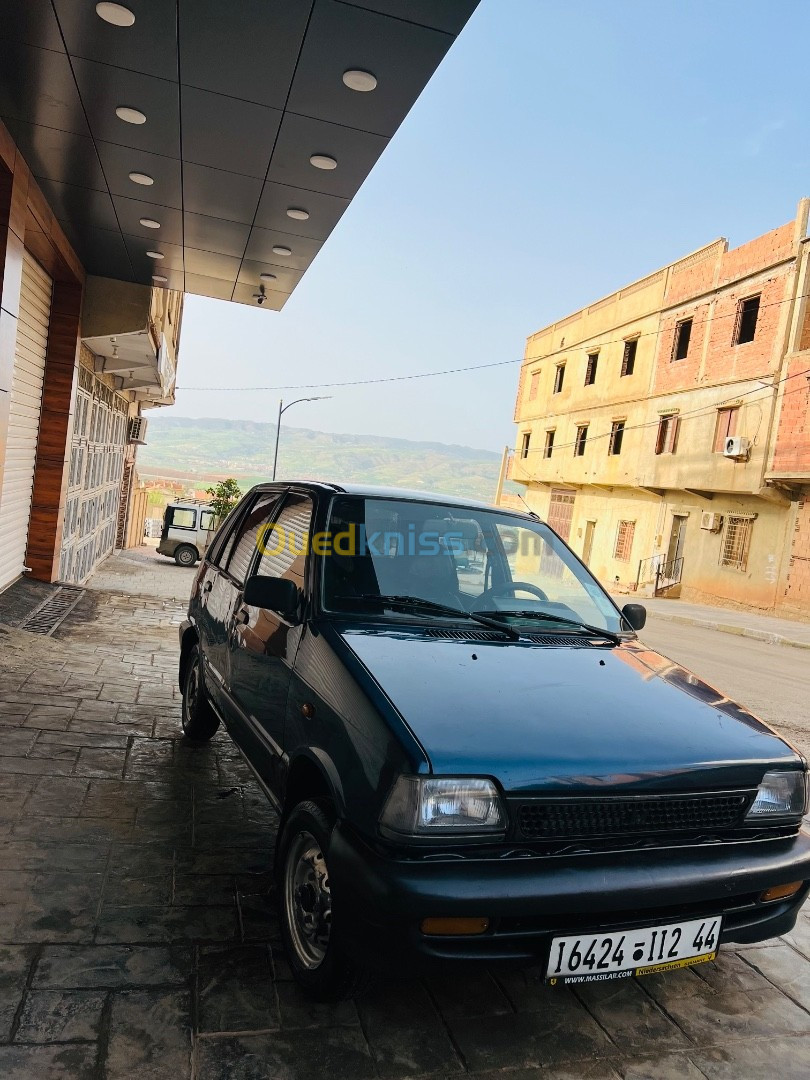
x,y
566,819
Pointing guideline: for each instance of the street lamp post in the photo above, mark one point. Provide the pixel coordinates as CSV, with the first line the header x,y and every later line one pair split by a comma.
x,y
282,408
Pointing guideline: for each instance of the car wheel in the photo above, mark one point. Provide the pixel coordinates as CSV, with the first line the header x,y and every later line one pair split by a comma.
x,y
198,718
185,555
309,930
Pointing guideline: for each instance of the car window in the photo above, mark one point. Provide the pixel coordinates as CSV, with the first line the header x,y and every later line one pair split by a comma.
x,y
206,520
238,551
285,544
181,518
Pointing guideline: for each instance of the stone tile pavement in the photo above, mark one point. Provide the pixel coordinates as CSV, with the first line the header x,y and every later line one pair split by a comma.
x,y
138,939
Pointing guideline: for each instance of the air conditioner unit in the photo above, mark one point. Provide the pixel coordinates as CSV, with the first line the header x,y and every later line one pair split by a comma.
x,y
711,522
737,447
137,430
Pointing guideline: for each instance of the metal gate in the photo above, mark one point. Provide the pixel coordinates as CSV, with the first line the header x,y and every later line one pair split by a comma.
x,y
25,408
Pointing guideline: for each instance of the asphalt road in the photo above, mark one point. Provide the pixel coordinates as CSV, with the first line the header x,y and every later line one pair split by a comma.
x,y
773,681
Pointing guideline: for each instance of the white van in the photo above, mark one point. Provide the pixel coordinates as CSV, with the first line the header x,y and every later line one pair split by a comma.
x,y
188,528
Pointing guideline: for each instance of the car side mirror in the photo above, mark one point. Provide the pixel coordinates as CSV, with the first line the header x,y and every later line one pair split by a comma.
x,y
275,594
635,615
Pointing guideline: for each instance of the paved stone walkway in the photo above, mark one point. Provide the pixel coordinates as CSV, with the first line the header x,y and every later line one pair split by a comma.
x,y
137,938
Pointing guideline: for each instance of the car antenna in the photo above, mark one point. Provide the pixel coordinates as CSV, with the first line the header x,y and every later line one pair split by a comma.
x,y
529,510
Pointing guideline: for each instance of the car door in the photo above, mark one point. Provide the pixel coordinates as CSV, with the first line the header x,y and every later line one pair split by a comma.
x,y
220,588
263,643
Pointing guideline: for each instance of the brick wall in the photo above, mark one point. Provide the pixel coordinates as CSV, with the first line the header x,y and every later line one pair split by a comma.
x,y
792,451
797,589
671,375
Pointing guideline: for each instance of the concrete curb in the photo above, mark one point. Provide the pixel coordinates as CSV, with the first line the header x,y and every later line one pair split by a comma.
x,y
730,628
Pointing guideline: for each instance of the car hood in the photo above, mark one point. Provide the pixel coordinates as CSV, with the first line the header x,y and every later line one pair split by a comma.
x,y
566,718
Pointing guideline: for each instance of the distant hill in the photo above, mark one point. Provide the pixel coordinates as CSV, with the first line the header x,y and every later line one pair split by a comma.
x,y
212,449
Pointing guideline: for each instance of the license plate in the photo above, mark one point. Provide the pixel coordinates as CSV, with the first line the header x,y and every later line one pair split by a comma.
x,y
582,958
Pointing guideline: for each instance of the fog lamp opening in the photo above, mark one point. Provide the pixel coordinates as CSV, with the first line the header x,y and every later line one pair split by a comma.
x,y
780,892
443,925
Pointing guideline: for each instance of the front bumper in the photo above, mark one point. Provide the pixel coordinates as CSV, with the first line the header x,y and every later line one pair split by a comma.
x,y
530,899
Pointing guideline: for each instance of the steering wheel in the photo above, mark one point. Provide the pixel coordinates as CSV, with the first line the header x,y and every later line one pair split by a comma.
x,y
511,587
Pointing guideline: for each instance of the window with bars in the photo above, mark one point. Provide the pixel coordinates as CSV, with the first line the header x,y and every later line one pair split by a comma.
x,y
667,438
683,333
525,443
726,425
548,449
581,439
616,437
745,326
559,378
736,542
590,370
534,385
629,357
624,541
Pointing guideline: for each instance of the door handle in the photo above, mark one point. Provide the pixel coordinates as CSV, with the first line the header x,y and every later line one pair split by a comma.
x,y
241,617
208,586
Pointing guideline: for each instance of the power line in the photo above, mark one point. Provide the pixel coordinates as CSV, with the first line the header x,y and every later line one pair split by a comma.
x,y
474,367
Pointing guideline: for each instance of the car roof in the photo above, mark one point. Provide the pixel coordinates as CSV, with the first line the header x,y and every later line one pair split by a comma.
x,y
412,495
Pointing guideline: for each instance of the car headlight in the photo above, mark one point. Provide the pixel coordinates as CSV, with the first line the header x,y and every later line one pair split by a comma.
x,y
781,794
432,806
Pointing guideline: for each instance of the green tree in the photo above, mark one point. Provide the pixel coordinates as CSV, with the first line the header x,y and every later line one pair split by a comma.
x,y
224,497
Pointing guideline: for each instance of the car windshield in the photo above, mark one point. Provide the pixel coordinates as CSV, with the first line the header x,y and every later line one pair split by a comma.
x,y
383,554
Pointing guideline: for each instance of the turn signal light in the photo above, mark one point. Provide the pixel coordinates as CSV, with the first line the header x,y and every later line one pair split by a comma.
x,y
781,892
454,926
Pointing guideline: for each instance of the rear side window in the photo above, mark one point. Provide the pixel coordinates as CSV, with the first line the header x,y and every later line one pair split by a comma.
x,y
182,519
241,544
206,520
285,546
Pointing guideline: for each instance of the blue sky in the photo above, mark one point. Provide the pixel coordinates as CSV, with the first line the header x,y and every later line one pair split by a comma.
x,y
563,149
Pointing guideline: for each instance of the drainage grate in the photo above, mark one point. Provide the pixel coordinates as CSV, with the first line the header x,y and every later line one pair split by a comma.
x,y
50,614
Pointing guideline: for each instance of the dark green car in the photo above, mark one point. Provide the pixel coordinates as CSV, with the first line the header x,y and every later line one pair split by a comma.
x,y
473,757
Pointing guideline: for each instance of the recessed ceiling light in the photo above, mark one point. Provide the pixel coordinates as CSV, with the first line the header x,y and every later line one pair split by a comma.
x,y
159,278
142,178
356,79
323,161
279,249
150,223
297,213
130,116
267,277
116,14
156,255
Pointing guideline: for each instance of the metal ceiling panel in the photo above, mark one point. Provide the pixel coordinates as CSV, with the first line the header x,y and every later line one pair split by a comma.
x,y
246,49
58,155
324,211
119,161
221,194
300,137
402,56
219,131
148,46
237,98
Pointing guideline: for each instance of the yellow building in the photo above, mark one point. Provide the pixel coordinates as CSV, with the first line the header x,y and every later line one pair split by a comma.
x,y
625,410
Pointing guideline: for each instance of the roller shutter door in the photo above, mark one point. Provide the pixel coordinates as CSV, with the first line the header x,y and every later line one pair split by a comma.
x,y
24,415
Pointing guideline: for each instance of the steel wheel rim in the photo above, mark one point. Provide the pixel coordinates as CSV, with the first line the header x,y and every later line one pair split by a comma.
x,y
186,558
308,900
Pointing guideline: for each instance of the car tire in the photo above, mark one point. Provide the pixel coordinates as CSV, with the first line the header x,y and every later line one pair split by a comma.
x,y
198,718
186,555
310,935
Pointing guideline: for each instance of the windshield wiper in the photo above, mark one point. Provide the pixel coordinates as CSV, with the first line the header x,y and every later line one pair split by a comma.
x,y
611,635
416,603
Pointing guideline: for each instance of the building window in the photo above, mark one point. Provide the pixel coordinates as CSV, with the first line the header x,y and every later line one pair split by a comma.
x,y
629,357
590,370
616,437
736,543
548,449
579,443
680,346
524,448
726,425
746,324
624,541
534,385
667,438
559,378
